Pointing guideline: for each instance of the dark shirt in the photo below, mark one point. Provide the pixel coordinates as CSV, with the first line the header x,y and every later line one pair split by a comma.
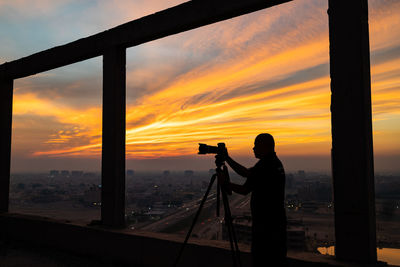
x,y
267,184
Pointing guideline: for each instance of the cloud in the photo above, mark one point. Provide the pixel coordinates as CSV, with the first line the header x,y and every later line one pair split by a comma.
x,y
267,71
30,8
79,93
55,127
383,19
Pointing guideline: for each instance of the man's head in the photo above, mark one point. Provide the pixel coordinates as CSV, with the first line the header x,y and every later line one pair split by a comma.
x,y
264,144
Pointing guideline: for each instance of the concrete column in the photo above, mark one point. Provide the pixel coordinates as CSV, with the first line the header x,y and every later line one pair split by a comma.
x,y
113,150
352,150
6,100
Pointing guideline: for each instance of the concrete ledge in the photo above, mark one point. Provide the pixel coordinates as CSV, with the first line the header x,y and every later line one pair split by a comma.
x,y
116,245
124,247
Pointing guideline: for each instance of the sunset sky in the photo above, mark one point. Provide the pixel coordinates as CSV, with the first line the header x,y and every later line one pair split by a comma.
x,y
263,72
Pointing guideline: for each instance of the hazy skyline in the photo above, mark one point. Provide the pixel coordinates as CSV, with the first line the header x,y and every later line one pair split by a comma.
x,y
263,72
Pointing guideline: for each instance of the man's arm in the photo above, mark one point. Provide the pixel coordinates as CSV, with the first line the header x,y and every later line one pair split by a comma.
x,y
224,182
239,169
239,189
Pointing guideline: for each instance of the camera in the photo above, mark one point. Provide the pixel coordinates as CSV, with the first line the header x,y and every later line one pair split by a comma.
x,y
206,149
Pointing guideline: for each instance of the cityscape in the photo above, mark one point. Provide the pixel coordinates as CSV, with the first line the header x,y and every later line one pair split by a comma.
x,y
166,202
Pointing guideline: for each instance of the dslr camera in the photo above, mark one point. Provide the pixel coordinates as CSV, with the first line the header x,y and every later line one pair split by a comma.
x,y
206,149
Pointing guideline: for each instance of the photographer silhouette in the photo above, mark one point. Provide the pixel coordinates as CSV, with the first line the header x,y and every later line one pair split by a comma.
x,y
266,181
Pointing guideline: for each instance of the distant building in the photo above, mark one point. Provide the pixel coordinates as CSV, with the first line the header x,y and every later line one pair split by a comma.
x,y
301,174
188,173
289,180
296,236
166,173
54,173
130,172
76,173
309,206
315,192
296,239
64,173
89,174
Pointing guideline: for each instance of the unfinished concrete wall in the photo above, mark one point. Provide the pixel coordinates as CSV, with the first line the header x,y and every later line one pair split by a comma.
x,y
6,101
352,150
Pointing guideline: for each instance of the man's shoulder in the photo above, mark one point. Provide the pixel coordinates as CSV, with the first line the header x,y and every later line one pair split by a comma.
x,y
271,160
272,164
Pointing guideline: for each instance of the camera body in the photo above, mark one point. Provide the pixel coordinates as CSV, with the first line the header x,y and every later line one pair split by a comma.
x,y
206,149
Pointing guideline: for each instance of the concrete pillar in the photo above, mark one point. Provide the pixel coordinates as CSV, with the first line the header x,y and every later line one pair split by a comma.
x,y
6,100
352,150
113,150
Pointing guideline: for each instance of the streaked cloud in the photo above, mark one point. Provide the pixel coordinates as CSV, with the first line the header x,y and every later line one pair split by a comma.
x,y
267,71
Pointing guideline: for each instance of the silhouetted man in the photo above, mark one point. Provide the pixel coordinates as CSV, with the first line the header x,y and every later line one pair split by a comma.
x,y
266,182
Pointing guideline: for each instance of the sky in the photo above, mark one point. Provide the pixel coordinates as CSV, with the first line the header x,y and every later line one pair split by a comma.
x,y
267,71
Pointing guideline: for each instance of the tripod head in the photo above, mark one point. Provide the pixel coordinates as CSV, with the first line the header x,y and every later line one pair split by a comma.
x,y
219,162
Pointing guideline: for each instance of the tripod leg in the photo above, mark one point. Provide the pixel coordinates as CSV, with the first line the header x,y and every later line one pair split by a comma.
x,y
228,219
218,198
195,218
228,223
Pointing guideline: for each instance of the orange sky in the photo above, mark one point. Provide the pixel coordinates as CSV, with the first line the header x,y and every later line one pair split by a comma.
x,y
263,72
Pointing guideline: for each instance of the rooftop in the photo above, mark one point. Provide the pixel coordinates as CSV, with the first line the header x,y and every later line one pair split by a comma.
x,y
46,242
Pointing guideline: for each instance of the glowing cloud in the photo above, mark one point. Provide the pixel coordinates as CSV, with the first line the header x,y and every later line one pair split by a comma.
x,y
265,72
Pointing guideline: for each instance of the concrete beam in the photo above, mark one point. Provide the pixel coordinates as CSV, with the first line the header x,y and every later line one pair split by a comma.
x,y
352,149
6,101
113,149
184,17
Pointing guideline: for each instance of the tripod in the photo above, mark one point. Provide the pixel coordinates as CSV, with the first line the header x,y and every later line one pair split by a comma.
x,y
221,190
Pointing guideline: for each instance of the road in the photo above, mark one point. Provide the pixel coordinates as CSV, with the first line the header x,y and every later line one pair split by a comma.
x,y
208,225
